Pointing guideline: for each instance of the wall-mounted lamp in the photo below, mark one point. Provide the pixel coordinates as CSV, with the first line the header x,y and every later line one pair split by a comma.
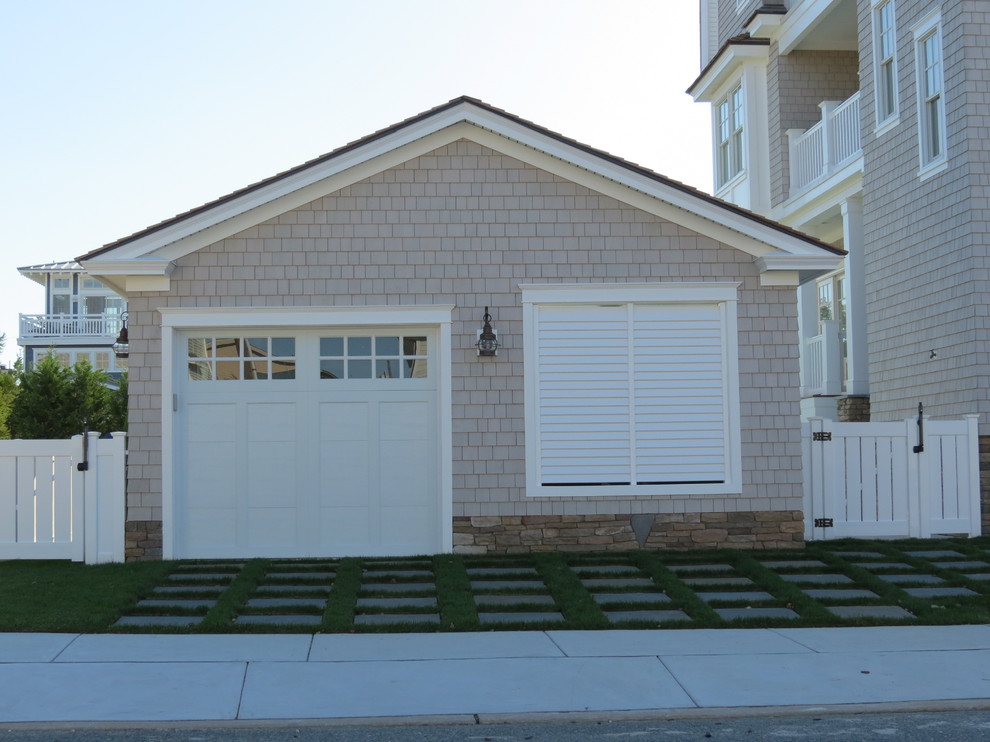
x,y
122,346
487,344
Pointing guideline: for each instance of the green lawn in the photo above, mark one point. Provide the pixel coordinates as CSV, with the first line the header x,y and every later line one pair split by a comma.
x,y
57,596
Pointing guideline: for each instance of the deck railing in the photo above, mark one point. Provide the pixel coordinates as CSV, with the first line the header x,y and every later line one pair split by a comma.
x,y
822,362
60,325
818,152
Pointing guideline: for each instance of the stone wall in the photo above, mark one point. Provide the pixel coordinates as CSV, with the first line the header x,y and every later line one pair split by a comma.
x,y
142,540
736,530
853,409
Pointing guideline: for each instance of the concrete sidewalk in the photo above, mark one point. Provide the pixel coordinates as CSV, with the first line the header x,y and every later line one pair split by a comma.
x,y
483,676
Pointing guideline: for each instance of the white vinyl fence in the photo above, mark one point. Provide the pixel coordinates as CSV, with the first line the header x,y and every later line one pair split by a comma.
x,y
891,480
63,499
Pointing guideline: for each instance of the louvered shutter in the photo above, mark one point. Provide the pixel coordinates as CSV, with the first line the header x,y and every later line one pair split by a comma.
x,y
630,394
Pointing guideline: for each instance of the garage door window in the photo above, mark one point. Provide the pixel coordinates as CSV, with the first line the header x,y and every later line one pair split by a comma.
x,y
241,358
373,357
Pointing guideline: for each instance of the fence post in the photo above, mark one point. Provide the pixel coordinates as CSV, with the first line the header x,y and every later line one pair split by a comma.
x,y
104,488
919,490
77,485
973,473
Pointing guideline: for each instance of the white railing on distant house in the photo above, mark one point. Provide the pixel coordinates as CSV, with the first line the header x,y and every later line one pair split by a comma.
x,y
818,152
59,325
63,499
822,362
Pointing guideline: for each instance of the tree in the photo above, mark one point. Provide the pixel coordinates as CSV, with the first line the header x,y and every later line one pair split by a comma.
x,y
8,391
56,401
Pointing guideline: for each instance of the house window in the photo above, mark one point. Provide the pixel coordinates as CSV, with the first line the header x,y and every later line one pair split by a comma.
x,y
61,295
729,136
631,390
931,100
885,60
241,358
373,357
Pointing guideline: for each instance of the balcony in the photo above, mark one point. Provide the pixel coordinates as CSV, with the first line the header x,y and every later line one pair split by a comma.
x,y
69,326
823,363
820,152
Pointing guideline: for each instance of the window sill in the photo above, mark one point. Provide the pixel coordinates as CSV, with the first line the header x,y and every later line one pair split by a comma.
x,y
933,168
887,125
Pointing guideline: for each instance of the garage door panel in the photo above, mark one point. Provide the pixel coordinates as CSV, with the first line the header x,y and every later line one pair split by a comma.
x,y
273,527
345,471
211,422
271,474
346,528
343,421
211,475
211,528
406,473
399,421
409,530
272,421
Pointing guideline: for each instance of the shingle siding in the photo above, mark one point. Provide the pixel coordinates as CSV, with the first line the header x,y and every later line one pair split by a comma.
x,y
796,84
926,262
465,225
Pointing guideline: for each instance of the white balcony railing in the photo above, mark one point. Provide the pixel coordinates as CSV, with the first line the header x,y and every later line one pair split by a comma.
x,y
822,362
818,152
61,325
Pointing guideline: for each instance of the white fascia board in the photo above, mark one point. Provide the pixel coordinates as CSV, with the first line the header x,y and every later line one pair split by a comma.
x,y
137,267
708,88
765,25
785,262
843,185
356,316
800,21
692,212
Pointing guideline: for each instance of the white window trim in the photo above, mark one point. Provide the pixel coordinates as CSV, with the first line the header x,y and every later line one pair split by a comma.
x,y
921,32
174,320
723,294
891,120
725,180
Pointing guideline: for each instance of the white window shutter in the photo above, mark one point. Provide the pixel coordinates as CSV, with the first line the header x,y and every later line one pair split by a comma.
x,y
630,394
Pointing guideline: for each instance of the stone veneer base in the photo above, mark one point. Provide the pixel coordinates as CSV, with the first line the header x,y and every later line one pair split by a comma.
x,y
513,534
142,540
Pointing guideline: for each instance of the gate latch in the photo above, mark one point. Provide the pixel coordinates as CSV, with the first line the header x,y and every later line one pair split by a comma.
x,y
821,436
824,523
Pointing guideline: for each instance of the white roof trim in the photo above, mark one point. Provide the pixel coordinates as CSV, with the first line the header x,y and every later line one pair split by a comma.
x,y
707,87
151,254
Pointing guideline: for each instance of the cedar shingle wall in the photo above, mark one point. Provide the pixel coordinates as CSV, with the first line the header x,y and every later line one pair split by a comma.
x,y
464,226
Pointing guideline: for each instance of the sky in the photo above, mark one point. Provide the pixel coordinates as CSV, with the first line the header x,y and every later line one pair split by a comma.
x,y
118,115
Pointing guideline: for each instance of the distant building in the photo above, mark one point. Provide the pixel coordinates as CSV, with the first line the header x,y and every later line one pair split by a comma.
x,y
865,124
81,320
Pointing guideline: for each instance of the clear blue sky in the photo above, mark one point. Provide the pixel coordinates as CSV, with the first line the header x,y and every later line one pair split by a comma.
x,y
117,115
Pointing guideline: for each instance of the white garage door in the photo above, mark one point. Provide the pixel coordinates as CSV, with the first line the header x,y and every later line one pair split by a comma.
x,y
306,443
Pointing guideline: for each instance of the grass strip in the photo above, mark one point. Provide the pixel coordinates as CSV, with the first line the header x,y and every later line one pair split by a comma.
x,y
454,595
67,596
220,617
339,614
579,609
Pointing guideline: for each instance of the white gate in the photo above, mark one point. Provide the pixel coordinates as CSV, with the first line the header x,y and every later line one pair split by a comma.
x,y
63,499
891,480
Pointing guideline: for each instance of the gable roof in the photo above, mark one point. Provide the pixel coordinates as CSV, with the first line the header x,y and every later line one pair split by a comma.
x,y
150,252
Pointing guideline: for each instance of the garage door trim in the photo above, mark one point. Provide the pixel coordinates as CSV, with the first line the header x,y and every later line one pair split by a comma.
x,y
175,320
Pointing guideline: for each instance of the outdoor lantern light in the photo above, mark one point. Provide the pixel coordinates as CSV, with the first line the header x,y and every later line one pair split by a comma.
x,y
487,344
121,346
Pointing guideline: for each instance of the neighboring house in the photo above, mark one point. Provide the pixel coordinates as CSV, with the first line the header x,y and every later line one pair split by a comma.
x,y
306,379
865,124
82,318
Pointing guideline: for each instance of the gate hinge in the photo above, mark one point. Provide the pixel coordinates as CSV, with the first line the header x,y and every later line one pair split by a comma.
x,y
820,436
824,523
